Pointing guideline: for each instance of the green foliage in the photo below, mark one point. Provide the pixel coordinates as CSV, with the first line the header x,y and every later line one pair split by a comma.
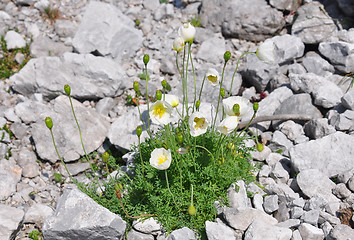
x,y
195,21
35,235
142,76
147,191
50,13
347,78
164,1
57,177
137,23
8,64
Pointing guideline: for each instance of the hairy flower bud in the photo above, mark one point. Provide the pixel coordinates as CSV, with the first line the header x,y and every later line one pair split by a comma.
x,y
236,109
136,86
222,92
197,104
255,106
67,89
139,131
180,138
164,83
259,147
227,56
191,210
49,122
146,59
158,95
105,157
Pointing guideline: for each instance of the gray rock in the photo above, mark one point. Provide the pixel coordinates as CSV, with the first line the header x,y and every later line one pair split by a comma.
x,y
314,182
151,4
78,216
296,68
261,156
326,93
148,226
284,192
280,142
332,208
237,196
343,121
289,5
350,183
288,48
257,201
10,175
341,191
312,24
340,54
270,203
89,77
65,28
311,217
163,11
280,172
318,128
316,202
344,176
74,168
27,161
251,20
299,202
274,158
105,105
105,30
20,130
11,219
314,63
182,234
37,213
240,220
326,217
210,53
346,35
282,214
331,154
290,223
14,40
342,231
135,235
43,46
348,100
268,105
256,72
292,130
310,232
218,230
261,230
296,235
65,130
296,212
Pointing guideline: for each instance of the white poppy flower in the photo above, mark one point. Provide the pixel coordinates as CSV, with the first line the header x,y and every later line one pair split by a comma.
x,y
161,112
245,106
160,158
266,52
178,44
187,32
228,125
172,100
212,76
198,124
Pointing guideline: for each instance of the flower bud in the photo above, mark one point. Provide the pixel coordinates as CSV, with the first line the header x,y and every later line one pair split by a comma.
x,y
178,44
231,146
221,161
191,210
227,56
259,147
139,131
49,122
146,59
164,84
222,92
236,109
105,157
136,86
255,106
118,187
180,138
197,104
67,89
158,95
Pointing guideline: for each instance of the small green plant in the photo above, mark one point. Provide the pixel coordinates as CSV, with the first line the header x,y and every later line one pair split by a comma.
x,y
57,177
35,235
164,1
196,21
137,23
143,76
347,78
51,13
8,64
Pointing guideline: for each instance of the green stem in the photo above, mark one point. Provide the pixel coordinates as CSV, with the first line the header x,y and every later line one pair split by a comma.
x,y
142,120
82,143
237,64
254,115
198,146
168,187
195,83
147,98
219,98
141,158
201,89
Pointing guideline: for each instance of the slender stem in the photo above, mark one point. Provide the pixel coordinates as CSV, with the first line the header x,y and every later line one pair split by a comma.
x,y
142,120
185,79
217,108
192,194
168,187
141,158
201,89
254,115
147,98
82,143
195,83
198,146
237,64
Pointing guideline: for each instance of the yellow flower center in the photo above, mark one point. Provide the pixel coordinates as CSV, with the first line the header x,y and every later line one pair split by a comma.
x,y
161,159
199,122
212,78
159,110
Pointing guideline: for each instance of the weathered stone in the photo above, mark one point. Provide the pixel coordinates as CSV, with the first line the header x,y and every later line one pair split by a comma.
x,y
290,223
10,175
43,46
311,217
288,48
65,28
326,217
341,191
270,203
78,216
331,154
212,50
314,63
342,231
340,54
182,234
316,202
280,172
149,226
105,30
14,40
296,212
280,142
11,220
105,105
310,232
284,192
318,128
312,24
261,230
37,213
89,77
292,130
135,235
289,5
348,100
343,121
237,196
314,182
218,230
